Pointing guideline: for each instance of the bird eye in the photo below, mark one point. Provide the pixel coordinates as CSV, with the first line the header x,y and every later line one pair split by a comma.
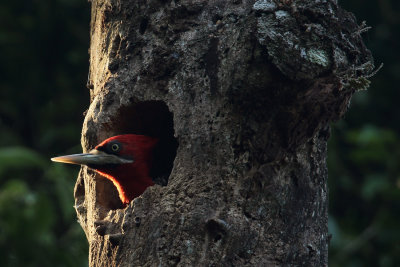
x,y
115,147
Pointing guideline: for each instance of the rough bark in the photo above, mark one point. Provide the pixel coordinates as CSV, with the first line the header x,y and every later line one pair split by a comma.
x,y
248,88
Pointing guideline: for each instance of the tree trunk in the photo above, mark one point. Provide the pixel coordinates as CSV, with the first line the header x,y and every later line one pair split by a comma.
x,y
242,93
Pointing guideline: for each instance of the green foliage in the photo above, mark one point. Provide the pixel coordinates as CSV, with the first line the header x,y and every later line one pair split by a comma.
x,y
19,157
364,185
43,47
364,154
37,218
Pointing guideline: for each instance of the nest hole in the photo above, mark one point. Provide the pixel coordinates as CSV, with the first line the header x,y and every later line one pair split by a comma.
x,y
152,118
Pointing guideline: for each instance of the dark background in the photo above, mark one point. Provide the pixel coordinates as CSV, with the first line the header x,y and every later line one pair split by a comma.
x,y
44,65
364,152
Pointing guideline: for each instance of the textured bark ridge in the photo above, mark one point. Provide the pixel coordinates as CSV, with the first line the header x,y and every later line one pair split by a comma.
x,y
247,90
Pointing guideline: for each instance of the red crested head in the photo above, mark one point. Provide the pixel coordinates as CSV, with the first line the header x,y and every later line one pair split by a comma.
x,y
126,160
131,179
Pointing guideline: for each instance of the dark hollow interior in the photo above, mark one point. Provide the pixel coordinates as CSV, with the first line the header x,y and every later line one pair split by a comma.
x,y
152,118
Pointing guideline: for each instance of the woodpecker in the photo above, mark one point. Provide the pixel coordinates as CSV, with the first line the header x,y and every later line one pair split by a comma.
x,y
126,160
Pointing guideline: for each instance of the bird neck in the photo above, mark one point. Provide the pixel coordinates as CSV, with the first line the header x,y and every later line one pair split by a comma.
x,y
131,181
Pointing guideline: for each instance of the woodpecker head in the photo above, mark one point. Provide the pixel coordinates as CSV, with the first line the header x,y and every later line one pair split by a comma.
x,y
124,159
